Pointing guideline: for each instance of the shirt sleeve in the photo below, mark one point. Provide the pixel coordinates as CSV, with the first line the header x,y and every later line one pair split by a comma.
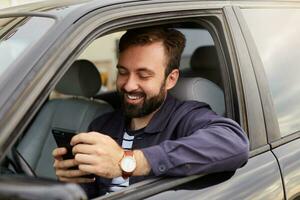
x,y
219,145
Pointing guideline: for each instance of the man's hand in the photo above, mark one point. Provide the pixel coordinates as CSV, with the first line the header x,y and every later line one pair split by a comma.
x,y
63,171
98,154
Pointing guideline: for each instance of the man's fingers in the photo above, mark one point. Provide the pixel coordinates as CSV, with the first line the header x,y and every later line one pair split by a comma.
x,y
83,148
86,138
65,164
59,152
87,168
86,159
71,173
77,180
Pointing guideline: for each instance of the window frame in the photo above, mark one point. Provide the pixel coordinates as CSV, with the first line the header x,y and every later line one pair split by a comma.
x,y
249,88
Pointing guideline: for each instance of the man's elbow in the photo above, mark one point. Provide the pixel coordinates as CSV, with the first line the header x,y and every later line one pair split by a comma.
x,y
243,154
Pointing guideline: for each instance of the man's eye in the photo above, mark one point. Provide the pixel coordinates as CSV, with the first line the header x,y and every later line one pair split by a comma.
x,y
122,72
144,76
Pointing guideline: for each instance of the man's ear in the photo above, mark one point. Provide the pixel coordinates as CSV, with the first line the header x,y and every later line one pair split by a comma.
x,y
172,79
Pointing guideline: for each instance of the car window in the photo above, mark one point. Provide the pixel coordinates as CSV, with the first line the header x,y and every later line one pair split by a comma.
x,y
199,58
195,38
17,35
103,53
277,40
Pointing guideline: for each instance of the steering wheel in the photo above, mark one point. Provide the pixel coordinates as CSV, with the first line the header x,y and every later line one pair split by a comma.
x,y
20,165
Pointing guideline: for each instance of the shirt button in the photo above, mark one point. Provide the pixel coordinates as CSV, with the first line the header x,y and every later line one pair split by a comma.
x,y
188,166
162,168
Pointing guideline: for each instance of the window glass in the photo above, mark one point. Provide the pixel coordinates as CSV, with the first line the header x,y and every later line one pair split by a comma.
x,y
195,38
277,39
103,52
19,34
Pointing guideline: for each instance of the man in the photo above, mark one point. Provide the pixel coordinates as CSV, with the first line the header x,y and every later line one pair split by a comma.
x,y
160,135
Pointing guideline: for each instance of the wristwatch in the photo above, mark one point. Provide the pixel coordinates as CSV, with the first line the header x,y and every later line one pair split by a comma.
x,y
127,164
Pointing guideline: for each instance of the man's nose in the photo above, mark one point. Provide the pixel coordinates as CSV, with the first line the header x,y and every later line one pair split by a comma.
x,y
131,84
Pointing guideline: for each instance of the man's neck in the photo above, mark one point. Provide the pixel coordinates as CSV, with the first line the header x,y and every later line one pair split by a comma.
x,y
141,122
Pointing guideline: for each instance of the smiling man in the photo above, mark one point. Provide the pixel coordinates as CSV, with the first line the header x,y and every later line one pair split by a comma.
x,y
153,134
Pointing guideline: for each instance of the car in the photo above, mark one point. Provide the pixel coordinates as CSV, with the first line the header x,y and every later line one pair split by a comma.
x,y
249,50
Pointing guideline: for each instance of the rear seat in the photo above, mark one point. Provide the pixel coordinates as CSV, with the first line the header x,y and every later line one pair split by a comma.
x,y
204,63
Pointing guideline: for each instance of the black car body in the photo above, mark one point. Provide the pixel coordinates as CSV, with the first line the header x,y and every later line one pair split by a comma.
x,y
250,53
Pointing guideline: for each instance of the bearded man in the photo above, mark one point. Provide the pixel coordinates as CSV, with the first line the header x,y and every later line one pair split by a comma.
x,y
153,134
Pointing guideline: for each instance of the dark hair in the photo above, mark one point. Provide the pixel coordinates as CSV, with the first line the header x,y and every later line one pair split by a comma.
x,y
173,41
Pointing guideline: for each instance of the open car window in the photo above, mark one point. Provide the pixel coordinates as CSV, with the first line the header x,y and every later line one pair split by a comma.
x,y
66,107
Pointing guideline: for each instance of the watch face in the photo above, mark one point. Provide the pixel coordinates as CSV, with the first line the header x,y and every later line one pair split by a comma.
x,y
128,164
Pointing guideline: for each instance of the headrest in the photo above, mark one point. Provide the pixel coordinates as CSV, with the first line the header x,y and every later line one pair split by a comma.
x,y
202,90
204,57
82,79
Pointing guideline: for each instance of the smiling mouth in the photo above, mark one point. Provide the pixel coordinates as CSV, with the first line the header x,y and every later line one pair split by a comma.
x,y
133,98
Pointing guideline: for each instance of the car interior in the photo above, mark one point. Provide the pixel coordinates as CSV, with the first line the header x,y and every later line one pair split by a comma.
x,y
81,82
79,97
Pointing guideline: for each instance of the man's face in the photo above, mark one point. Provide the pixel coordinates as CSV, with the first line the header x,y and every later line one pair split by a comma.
x,y
141,79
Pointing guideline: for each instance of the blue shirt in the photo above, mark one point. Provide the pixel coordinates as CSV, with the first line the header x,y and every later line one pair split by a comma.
x,y
183,138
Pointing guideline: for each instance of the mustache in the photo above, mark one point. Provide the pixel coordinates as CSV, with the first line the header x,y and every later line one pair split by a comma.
x,y
136,93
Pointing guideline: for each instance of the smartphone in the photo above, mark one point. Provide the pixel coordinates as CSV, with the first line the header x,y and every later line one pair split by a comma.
x,y
63,138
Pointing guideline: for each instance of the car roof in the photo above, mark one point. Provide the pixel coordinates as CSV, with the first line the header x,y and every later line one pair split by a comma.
x,y
63,7
43,6
60,8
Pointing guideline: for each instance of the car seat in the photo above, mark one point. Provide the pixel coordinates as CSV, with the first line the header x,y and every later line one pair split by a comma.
x,y
202,90
82,81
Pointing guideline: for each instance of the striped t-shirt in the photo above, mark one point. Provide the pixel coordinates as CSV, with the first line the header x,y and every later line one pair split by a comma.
x,y
119,182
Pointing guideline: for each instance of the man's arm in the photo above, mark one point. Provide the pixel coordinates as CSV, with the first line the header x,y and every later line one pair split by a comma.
x,y
219,145
143,167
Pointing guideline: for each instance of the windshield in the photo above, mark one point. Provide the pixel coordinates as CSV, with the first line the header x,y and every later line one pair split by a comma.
x,y
19,34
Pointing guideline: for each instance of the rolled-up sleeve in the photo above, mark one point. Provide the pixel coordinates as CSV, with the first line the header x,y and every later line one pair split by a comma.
x,y
219,145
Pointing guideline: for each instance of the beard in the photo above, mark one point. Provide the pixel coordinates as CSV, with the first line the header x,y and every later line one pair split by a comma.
x,y
148,106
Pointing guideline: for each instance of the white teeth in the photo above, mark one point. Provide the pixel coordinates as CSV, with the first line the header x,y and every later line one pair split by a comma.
x,y
132,97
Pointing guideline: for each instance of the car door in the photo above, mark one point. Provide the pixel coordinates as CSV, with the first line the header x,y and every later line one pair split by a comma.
x,y
260,177
276,50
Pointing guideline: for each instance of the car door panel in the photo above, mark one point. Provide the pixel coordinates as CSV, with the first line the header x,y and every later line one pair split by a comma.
x,y
259,179
289,160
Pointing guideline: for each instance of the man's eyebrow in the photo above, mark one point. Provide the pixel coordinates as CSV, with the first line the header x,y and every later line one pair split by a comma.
x,y
146,70
120,66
